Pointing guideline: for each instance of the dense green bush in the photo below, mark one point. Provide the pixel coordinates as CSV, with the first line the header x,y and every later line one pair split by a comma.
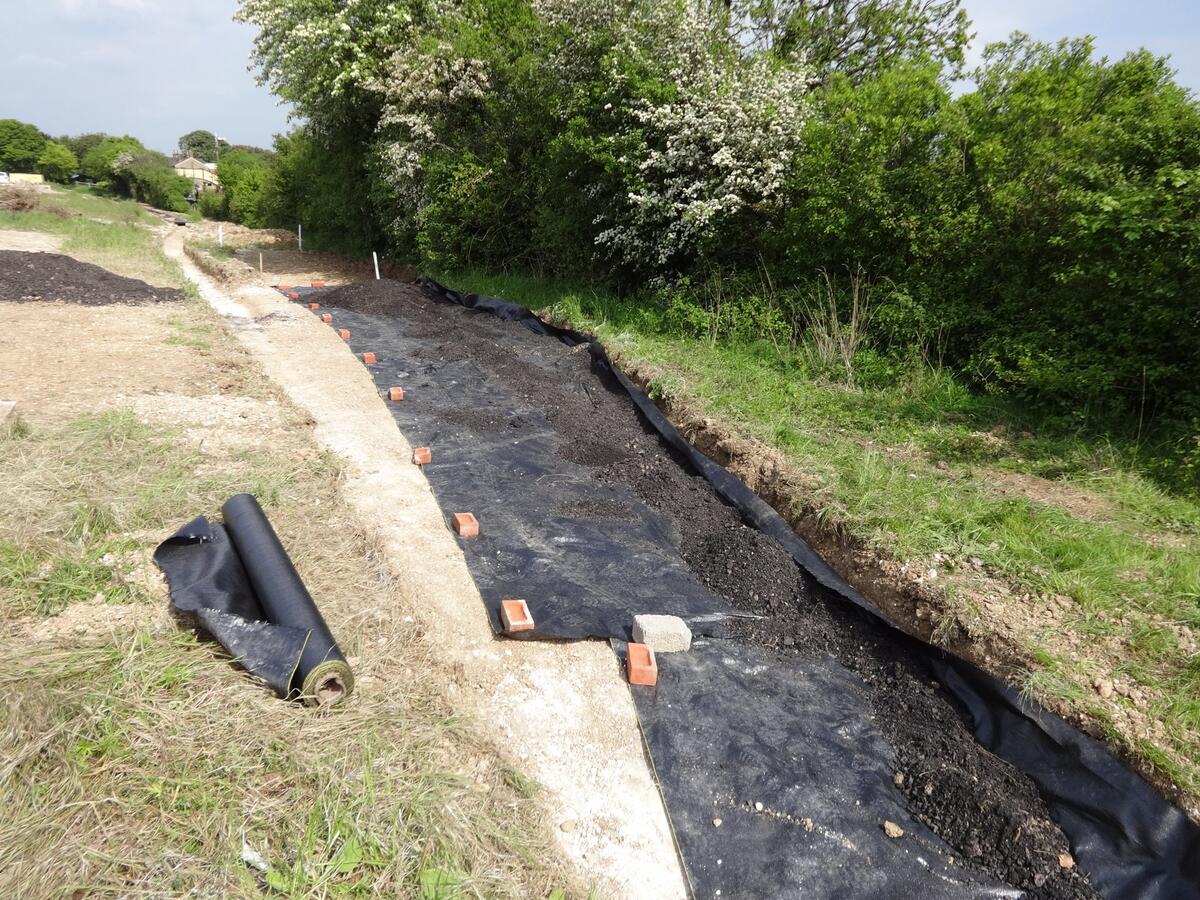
x,y
213,206
244,175
324,186
1082,282
56,162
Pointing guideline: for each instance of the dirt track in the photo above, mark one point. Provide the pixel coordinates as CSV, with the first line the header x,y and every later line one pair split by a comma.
x,y
991,814
562,712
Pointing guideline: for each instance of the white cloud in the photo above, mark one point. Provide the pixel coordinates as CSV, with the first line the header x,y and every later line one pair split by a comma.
x,y
38,61
95,8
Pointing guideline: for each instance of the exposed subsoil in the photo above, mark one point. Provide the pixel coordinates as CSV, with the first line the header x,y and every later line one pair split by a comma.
x,y
981,806
29,277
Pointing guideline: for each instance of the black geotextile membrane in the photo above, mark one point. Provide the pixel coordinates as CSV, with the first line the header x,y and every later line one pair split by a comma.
x,y
582,577
237,582
778,782
730,725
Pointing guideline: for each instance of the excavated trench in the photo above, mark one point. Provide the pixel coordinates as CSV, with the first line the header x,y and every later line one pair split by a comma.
x,y
598,508
990,814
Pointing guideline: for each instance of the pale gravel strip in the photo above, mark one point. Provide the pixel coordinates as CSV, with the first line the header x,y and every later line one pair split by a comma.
x,y
560,711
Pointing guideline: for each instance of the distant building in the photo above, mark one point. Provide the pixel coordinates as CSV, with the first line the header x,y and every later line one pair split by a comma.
x,y
202,174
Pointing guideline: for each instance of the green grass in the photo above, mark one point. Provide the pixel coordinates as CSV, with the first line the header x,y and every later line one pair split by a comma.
x,y
88,201
125,244
81,494
130,768
196,335
911,463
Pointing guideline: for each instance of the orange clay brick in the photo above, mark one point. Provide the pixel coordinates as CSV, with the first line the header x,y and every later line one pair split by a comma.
x,y
314,306
343,334
292,295
515,616
369,358
396,393
422,456
318,284
327,319
641,665
465,524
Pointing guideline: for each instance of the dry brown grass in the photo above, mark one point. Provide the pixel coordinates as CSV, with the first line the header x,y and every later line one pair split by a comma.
x,y
14,198
135,760
141,763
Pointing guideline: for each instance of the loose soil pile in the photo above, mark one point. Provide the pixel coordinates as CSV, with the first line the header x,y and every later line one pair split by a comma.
x,y
989,812
30,277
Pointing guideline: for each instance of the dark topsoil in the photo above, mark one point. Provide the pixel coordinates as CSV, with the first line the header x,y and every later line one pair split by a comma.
x,y
30,277
979,804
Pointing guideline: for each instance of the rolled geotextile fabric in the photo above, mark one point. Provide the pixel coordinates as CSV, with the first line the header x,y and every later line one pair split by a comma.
x,y
322,675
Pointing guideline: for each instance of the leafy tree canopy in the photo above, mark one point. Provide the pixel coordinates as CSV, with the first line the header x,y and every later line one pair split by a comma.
x,y
203,145
56,162
80,144
858,38
20,146
98,162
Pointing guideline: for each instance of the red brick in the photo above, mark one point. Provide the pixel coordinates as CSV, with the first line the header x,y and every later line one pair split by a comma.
x,y
515,616
641,665
314,306
292,295
369,358
465,524
327,319
396,393
343,334
318,284
422,456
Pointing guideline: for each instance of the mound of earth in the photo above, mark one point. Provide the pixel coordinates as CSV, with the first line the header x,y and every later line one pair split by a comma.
x,y
29,277
376,298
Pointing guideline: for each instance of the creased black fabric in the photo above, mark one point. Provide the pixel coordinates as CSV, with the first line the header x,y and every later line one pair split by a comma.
x,y
235,581
786,757
1130,841
583,576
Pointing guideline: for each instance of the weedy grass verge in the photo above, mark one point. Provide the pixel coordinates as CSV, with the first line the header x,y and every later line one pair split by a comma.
x,y
1045,543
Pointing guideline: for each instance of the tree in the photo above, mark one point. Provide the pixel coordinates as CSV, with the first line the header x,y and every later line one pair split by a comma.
x,y
203,145
322,56
148,176
200,144
80,144
858,38
1079,272
57,162
98,162
20,145
244,176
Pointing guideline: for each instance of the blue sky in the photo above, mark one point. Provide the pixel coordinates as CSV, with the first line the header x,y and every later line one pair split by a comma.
x,y
159,68
1166,27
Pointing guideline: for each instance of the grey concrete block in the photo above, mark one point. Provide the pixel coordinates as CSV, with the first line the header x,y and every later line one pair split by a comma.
x,y
662,634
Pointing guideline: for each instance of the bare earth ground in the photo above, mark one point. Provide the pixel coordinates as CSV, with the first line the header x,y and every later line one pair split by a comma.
x,y
29,241
59,360
562,712
175,370
282,262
